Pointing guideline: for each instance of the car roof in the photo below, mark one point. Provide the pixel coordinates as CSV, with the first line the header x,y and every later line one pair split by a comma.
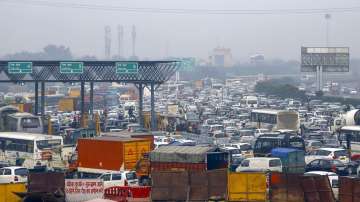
x,y
331,149
320,173
264,158
13,167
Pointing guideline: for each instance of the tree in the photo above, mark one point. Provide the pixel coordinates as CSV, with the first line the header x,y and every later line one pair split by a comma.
x,y
50,52
54,52
280,89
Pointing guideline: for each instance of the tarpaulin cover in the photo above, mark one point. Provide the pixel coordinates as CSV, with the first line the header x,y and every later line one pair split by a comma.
x,y
180,154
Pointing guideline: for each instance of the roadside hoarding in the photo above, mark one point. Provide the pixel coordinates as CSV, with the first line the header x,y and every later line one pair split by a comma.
x,y
78,190
331,59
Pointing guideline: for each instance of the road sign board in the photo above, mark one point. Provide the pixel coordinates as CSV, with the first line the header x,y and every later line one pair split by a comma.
x,y
71,67
334,59
127,67
20,67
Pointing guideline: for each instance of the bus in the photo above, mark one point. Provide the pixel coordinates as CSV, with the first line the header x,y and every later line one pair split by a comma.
x,y
4,112
265,143
14,121
249,101
31,149
23,122
275,119
350,118
354,131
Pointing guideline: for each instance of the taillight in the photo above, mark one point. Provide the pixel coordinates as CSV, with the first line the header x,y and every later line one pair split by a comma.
x,y
16,178
333,168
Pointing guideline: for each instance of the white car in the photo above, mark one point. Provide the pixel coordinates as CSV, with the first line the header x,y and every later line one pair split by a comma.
x,y
260,164
125,178
13,174
327,153
333,177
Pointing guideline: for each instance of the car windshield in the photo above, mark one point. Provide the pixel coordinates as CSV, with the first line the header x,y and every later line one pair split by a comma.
x,y
340,153
316,144
322,153
131,176
331,141
245,163
21,171
274,163
48,144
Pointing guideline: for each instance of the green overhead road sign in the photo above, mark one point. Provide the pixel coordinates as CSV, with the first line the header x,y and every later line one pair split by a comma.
x,y
20,67
127,67
71,67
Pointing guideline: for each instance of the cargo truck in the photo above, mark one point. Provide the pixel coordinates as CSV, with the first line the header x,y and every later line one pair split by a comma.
x,y
180,158
108,154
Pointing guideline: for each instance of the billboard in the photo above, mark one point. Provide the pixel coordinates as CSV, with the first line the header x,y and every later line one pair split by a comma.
x,y
331,59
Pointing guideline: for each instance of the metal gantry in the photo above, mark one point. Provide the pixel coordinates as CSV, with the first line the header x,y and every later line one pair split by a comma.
x,y
149,73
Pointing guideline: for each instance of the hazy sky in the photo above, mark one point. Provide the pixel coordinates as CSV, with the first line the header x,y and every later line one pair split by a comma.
x,y
31,27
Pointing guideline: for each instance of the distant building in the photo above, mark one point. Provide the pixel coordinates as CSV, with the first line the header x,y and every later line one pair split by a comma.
x,y
257,59
221,57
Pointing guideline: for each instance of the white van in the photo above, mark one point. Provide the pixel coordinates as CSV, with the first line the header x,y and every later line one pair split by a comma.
x,y
126,178
260,164
13,174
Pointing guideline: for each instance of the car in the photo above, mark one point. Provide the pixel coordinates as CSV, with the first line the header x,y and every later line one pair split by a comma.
x,y
353,167
245,148
235,162
329,165
13,174
328,153
4,164
332,143
125,178
260,164
315,136
333,177
310,145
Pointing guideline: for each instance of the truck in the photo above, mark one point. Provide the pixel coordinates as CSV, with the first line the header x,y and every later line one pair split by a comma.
x,y
128,134
108,154
293,160
180,158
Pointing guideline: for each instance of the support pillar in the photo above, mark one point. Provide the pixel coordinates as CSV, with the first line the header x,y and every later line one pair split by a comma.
x,y
153,114
36,107
82,104
91,105
43,99
318,88
141,100
321,73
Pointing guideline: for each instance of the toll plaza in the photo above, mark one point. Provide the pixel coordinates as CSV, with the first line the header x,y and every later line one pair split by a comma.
x,y
149,74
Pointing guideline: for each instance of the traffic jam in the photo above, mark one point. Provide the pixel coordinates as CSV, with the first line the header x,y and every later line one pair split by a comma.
x,y
215,141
